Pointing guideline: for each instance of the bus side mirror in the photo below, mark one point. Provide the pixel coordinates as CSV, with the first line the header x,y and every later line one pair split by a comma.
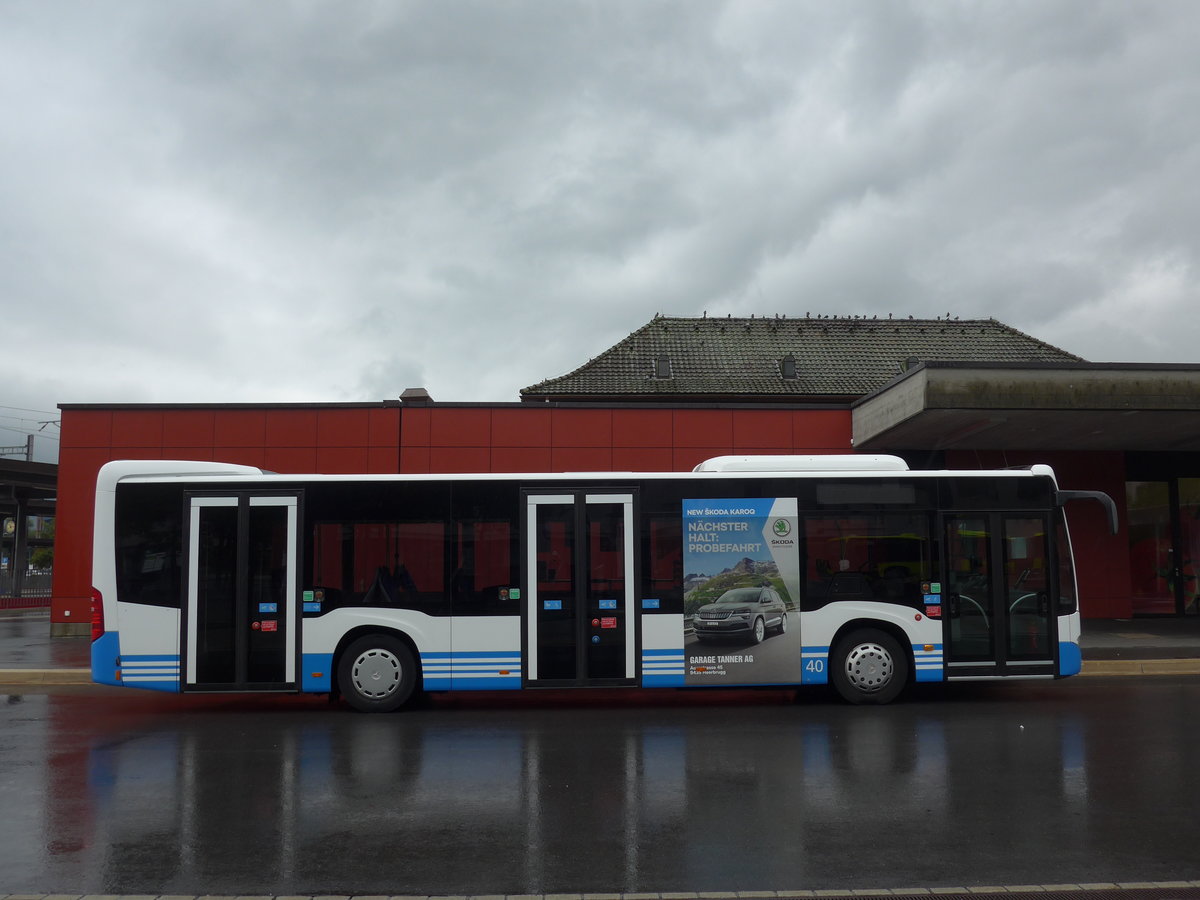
x,y
1061,498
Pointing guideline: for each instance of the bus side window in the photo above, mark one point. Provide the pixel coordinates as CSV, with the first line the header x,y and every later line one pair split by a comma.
x,y
881,557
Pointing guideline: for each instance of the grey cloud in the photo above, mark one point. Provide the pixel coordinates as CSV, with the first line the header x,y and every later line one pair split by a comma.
x,y
312,201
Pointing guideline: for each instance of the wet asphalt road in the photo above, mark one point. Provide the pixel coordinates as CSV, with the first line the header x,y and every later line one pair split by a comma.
x,y
119,792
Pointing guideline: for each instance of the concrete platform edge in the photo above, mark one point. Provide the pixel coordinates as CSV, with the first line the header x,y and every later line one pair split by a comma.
x,y
70,629
45,676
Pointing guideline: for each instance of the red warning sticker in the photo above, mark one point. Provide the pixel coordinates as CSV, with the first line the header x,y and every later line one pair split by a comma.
x,y
608,622
270,625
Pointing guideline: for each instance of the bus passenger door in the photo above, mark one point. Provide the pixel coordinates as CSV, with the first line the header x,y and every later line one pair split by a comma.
x,y
240,627
998,607
579,571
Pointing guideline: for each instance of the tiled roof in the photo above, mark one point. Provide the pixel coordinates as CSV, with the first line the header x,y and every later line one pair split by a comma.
x,y
835,357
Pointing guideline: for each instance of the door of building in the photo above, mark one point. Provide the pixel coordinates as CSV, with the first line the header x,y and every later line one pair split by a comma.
x,y
240,623
580,622
1164,545
999,613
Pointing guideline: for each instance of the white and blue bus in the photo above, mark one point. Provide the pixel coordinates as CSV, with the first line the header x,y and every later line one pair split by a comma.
x,y
851,571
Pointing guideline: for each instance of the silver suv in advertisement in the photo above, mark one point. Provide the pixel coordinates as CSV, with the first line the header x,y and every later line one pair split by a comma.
x,y
747,613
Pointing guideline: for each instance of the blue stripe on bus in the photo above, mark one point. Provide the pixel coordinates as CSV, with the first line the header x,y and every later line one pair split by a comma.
x,y
928,663
663,667
814,664
471,670
483,683
316,672
655,680
1070,658
153,671
104,658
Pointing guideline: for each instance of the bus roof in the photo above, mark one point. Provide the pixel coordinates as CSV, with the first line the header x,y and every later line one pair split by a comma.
x,y
714,469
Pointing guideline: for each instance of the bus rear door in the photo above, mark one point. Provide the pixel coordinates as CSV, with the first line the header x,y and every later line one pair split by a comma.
x,y
240,626
580,619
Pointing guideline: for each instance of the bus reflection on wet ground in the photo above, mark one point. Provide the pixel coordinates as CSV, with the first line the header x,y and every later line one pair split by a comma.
x,y
1074,781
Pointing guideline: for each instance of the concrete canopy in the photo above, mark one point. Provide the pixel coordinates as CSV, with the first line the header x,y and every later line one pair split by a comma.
x,y
33,484
1049,406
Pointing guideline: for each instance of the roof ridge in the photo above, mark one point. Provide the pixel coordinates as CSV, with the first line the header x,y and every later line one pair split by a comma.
x,y
839,355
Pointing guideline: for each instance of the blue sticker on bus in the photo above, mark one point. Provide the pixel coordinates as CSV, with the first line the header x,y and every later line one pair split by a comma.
x,y
650,603
932,599
268,607
551,604
608,604
312,607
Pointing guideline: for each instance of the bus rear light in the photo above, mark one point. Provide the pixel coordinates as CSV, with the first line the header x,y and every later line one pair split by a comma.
x,y
97,615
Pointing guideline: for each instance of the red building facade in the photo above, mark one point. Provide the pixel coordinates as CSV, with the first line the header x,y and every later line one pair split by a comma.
x,y
392,437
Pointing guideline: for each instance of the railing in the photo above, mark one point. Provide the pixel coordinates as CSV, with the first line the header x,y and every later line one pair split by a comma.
x,y
35,591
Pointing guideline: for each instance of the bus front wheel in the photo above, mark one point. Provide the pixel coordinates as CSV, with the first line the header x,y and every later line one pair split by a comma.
x,y
377,673
869,666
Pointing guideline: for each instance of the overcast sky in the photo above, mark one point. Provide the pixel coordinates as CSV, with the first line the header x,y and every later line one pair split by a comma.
x,y
235,201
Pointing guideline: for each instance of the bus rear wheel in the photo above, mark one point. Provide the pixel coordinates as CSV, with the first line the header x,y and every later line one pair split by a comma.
x,y
377,673
869,667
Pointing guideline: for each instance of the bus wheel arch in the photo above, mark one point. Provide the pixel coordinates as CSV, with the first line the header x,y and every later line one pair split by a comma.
x,y
377,670
870,662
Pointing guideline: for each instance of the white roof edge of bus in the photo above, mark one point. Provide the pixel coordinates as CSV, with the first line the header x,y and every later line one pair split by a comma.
x,y
158,470
112,472
1043,469
858,462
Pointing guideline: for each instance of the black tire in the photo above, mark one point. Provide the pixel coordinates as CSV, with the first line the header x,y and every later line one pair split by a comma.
x,y
758,631
377,673
869,666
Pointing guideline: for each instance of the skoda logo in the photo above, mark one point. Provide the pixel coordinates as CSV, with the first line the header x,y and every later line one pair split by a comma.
x,y
782,527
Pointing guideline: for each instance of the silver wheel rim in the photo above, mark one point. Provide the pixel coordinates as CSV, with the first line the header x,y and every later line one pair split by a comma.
x,y
783,624
376,673
869,667
760,630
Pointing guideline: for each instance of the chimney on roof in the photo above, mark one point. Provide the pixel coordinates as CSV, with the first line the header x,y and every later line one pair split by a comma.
x,y
415,395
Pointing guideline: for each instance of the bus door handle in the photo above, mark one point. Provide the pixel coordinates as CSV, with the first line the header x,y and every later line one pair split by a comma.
x,y
953,597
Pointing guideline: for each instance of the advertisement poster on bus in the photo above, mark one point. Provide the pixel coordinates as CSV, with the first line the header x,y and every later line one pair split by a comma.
x,y
741,592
